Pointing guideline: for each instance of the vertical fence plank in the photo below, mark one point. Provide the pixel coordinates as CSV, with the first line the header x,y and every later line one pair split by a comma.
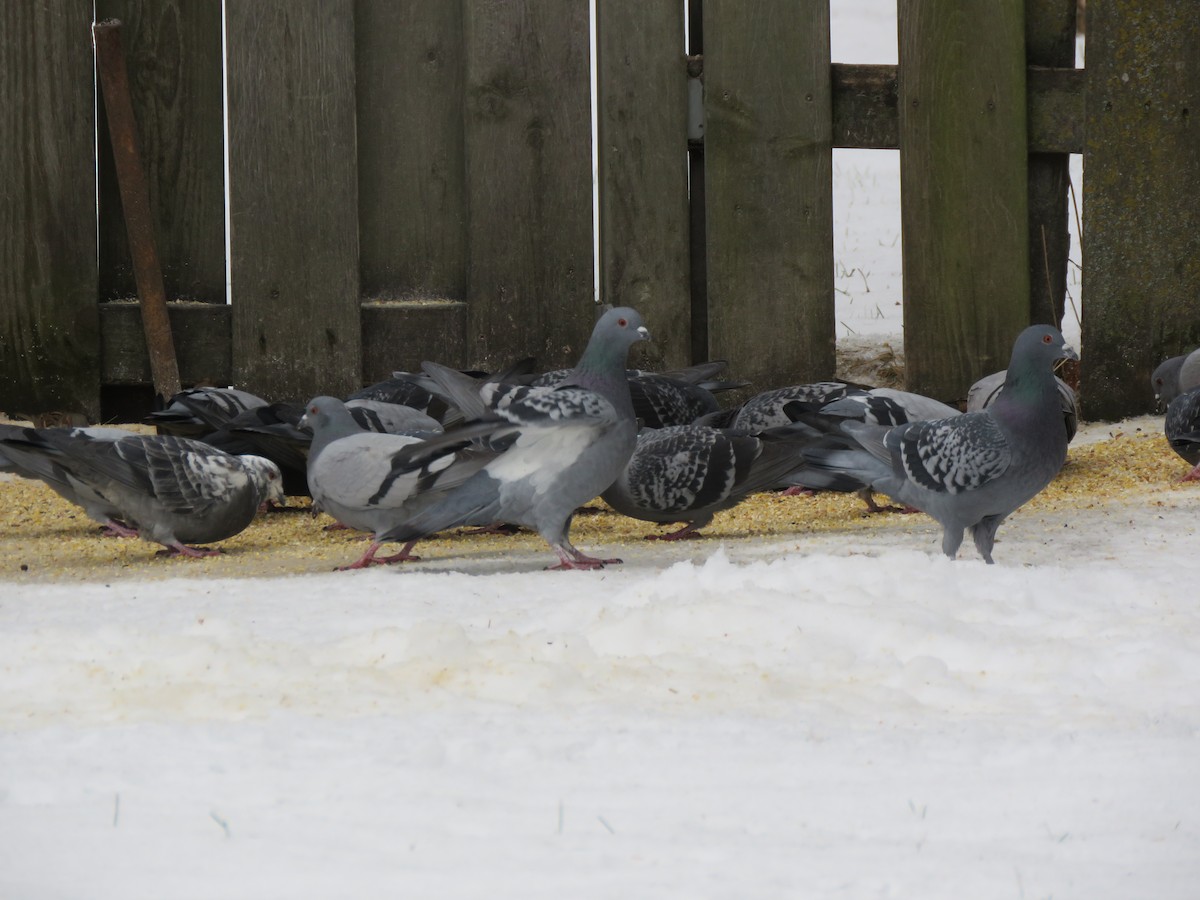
x,y
173,52
528,139
964,200
412,206
1141,218
49,324
1049,42
642,99
768,156
294,197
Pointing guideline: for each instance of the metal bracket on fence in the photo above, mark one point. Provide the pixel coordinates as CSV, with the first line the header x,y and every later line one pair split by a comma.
x,y
695,125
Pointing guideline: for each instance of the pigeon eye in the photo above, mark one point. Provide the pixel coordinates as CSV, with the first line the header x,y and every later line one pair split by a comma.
x,y
1046,339
622,322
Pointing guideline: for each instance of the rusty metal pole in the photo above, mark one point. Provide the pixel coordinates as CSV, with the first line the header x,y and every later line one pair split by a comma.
x,y
135,202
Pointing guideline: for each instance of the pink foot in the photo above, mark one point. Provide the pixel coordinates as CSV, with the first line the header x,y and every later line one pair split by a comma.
x,y
113,528
1193,475
570,558
798,491
370,559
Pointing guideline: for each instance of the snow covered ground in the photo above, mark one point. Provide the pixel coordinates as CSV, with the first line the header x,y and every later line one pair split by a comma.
x,y
803,718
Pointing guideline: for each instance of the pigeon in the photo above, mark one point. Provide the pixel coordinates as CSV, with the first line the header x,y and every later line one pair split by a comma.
x,y
969,472
873,406
175,491
1182,428
199,411
31,463
766,410
983,392
555,448
274,432
688,473
351,475
1165,379
663,399
1175,376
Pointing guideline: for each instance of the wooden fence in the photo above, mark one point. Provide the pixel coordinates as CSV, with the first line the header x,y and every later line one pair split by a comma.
x,y
411,179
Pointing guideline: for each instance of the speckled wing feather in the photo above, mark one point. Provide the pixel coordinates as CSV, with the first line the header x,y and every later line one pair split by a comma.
x,y
679,469
527,407
1182,426
951,455
187,477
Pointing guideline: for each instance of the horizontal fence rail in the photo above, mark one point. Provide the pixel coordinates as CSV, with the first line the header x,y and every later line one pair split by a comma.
x,y
412,179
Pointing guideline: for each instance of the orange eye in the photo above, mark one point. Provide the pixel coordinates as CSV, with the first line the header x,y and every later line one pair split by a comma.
x,y
1046,339
622,322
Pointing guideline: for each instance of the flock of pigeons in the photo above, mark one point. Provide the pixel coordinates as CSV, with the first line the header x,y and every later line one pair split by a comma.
x,y
425,452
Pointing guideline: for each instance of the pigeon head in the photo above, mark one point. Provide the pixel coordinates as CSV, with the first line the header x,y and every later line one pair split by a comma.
x,y
615,332
266,477
1165,379
1031,368
323,412
1040,347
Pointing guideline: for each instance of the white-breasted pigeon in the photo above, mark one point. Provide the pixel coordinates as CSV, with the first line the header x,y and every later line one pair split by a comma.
x,y
556,448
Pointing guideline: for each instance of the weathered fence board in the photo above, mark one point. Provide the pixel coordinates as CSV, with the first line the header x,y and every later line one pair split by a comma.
x,y
294,198
412,202
173,51
528,153
1050,42
768,158
1141,217
964,200
642,129
201,332
49,324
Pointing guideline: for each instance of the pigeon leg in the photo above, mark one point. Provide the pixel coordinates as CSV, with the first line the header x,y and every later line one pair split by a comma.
x,y
984,535
868,497
369,559
688,532
1193,475
797,491
113,528
952,539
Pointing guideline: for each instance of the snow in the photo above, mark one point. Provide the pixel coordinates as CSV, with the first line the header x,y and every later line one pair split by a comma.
x,y
803,717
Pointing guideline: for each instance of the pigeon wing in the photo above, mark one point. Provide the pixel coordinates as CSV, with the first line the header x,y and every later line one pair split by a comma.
x,y
951,455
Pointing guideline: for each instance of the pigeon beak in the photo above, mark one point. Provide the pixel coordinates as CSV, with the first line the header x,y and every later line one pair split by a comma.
x,y
643,333
1069,352
303,423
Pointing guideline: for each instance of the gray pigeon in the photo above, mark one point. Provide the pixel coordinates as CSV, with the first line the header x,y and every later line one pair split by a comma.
x,y
1175,376
556,448
1182,428
199,411
1165,379
766,410
35,464
688,473
970,472
175,491
874,406
983,392
352,475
